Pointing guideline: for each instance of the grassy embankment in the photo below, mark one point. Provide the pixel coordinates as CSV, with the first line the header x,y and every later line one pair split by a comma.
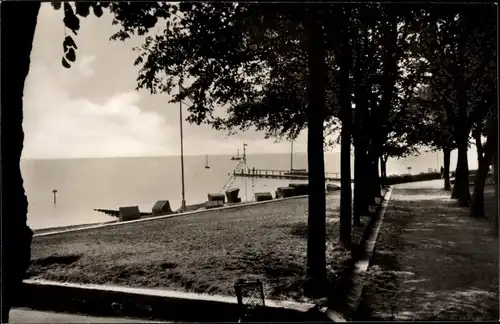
x,y
205,252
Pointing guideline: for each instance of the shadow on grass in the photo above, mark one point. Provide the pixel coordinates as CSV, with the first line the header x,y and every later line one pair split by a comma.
x,y
300,229
288,276
382,283
56,259
42,264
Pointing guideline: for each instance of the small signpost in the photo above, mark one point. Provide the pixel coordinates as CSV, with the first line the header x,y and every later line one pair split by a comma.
x,y
54,192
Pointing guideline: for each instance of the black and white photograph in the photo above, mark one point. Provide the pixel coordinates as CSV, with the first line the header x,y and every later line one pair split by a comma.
x,y
235,162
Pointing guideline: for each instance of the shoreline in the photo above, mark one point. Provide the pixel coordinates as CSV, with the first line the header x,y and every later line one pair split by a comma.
x,y
68,227
190,208
40,231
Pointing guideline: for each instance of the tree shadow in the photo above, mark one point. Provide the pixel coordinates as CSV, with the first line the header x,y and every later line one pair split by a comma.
x,y
57,259
428,233
41,264
381,279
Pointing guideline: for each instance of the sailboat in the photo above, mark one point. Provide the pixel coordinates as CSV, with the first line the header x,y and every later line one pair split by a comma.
x,y
237,158
206,163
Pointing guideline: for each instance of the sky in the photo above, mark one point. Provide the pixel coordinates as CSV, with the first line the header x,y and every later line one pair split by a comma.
x,y
93,109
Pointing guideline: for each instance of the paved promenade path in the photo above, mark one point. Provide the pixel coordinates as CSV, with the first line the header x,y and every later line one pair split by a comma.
x,y
26,315
432,261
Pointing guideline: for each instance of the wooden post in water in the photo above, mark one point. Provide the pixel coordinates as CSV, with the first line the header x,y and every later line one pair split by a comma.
x,y
54,192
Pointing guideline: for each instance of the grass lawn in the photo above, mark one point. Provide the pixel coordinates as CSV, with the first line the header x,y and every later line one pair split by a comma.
x,y
204,252
432,262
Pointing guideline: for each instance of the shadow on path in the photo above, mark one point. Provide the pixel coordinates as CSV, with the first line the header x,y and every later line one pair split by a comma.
x,y
431,262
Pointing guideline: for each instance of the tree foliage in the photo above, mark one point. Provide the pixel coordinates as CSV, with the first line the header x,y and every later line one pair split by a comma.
x,y
420,75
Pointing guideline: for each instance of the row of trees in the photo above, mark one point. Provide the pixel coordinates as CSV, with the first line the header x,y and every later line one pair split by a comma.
x,y
459,93
415,75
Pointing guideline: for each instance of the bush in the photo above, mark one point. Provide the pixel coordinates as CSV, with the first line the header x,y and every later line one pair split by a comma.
x,y
405,178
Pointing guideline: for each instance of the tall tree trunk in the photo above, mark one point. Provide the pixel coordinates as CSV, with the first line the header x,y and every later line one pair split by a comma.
x,y
446,167
375,183
346,132
454,191
380,163
477,206
361,206
372,172
378,187
390,75
495,179
462,129
479,145
361,125
360,203
316,241
357,137
18,29
461,190
382,111
383,170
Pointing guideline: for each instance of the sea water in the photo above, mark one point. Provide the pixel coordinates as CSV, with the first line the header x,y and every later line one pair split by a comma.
x,y
107,183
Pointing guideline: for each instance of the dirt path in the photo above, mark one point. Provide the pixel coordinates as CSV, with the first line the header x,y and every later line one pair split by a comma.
x,y
432,261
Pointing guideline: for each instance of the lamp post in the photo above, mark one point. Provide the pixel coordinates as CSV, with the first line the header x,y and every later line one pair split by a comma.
x,y
183,203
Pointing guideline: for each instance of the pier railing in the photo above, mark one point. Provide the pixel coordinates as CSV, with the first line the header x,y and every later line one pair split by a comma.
x,y
276,173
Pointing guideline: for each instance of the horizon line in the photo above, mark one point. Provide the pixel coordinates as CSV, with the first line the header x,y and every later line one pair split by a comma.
x,y
155,156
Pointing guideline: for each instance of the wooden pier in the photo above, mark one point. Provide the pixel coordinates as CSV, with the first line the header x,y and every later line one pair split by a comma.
x,y
282,174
